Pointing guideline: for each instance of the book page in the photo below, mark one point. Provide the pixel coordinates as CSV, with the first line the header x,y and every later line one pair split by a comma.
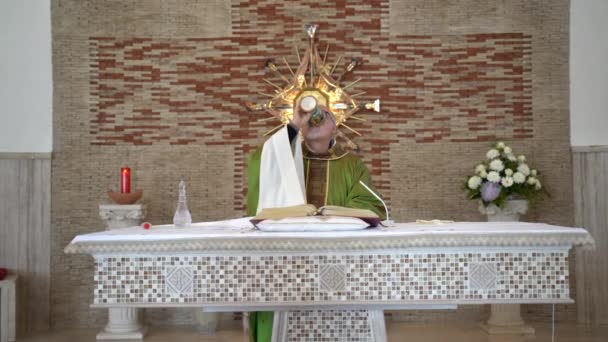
x,y
293,211
334,210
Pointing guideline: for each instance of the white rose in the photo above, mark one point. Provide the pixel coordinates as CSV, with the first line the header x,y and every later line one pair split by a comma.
x,y
483,174
531,180
519,177
537,185
474,182
508,150
521,158
480,168
511,157
507,182
509,172
493,177
500,144
497,165
533,172
493,153
523,168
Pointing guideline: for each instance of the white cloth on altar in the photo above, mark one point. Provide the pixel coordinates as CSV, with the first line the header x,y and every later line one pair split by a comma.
x,y
312,224
243,229
281,172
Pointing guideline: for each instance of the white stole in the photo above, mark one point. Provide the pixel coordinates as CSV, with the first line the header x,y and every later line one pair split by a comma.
x,y
281,172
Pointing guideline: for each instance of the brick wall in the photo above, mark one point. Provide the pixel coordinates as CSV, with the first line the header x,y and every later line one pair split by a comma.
x,y
160,86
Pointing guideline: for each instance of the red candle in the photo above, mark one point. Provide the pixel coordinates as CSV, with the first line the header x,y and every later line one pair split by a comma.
x,y
125,180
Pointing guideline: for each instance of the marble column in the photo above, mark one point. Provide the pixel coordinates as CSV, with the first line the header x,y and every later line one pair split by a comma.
x,y
8,300
506,318
206,322
123,323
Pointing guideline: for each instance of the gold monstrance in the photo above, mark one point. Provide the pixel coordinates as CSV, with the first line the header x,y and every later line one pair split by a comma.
x,y
313,78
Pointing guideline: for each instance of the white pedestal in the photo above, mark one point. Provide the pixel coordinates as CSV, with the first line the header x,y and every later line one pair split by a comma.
x,y
207,322
119,216
8,318
509,213
123,324
506,318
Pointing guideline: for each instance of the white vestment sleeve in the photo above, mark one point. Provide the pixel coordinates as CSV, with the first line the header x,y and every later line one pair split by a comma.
x,y
281,173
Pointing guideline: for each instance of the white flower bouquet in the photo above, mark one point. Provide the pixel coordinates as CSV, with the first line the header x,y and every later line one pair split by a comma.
x,y
503,176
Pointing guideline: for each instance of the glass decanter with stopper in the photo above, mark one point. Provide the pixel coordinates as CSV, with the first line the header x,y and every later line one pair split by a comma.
x,y
182,217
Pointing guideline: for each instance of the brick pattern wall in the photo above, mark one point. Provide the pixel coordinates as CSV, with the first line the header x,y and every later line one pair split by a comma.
x,y
160,86
148,91
464,88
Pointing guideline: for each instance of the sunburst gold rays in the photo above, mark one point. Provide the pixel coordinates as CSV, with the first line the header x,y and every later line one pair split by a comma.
x,y
288,66
273,129
325,78
272,84
270,65
274,114
313,53
298,54
349,67
335,65
349,143
268,118
272,96
356,118
330,83
311,29
314,76
301,71
352,83
325,54
350,129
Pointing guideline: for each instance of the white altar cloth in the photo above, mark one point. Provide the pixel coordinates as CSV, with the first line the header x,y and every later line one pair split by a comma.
x,y
240,234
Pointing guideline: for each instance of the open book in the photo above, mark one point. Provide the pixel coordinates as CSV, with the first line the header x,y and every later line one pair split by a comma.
x,y
310,210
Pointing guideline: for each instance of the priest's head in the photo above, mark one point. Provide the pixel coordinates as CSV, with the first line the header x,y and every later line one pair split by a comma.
x,y
320,129
318,134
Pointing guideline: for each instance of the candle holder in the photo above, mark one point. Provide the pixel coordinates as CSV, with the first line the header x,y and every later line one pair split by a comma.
x,y
125,198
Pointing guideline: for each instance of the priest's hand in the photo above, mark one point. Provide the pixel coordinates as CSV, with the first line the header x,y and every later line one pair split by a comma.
x,y
300,117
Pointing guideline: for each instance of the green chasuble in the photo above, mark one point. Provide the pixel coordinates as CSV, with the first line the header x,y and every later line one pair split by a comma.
x,y
344,171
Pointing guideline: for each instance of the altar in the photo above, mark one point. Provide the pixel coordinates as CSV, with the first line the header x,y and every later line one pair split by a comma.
x,y
330,285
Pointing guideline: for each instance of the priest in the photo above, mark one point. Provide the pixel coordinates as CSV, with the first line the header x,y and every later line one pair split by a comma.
x,y
302,163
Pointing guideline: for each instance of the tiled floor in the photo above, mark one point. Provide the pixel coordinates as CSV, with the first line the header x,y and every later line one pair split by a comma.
x,y
397,331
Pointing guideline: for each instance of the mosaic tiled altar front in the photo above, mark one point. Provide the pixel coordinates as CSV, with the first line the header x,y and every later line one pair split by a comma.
x,y
533,276
328,325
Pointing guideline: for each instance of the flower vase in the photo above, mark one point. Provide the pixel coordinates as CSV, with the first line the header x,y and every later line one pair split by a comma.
x,y
505,318
510,212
